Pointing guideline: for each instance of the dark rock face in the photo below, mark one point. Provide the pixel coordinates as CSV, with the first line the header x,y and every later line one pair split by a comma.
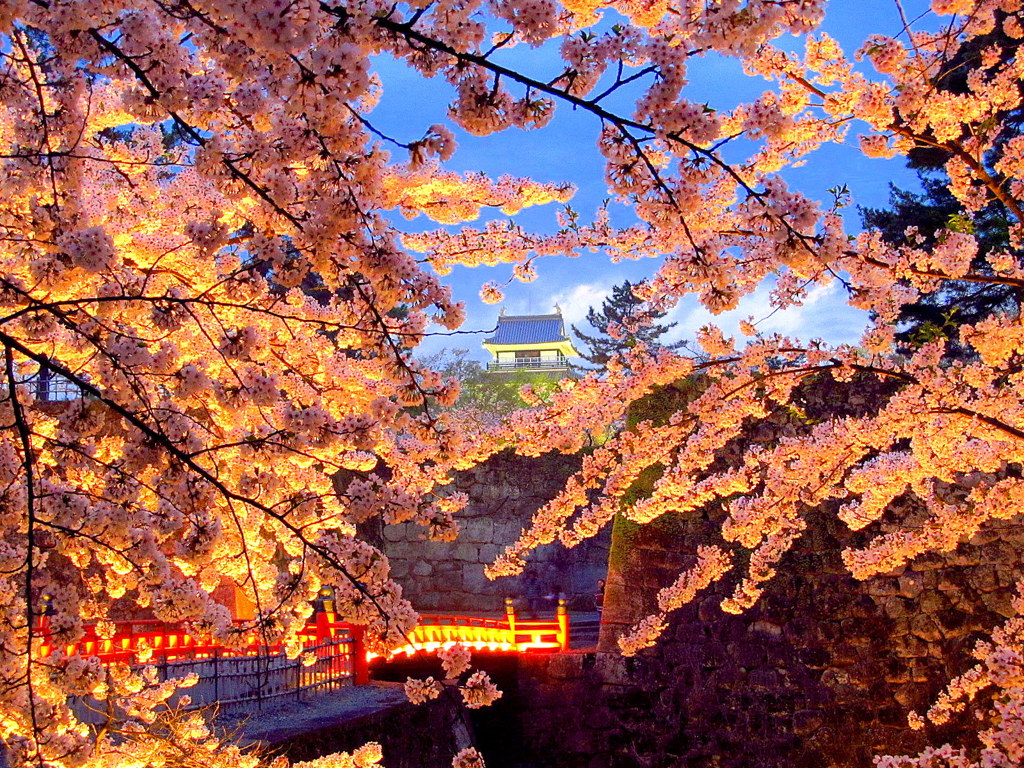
x,y
822,672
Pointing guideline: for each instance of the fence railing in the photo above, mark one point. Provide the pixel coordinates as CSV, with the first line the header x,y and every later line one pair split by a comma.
x,y
48,386
508,634
231,682
528,364
249,671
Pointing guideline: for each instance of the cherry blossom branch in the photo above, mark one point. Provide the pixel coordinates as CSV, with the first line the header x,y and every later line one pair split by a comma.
x,y
161,439
30,545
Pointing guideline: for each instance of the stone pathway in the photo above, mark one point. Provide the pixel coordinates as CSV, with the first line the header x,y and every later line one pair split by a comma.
x,y
274,725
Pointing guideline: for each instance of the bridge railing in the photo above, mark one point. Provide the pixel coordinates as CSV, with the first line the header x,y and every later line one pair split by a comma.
x,y
333,653
481,633
149,641
250,670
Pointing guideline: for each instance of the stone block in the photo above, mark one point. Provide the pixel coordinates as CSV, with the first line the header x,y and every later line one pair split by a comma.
x,y
480,602
465,552
428,601
565,666
882,586
767,629
483,530
612,668
710,609
910,696
986,536
422,568
965,556
948,583
910,647
748,655
506,531
1000,602
925,671
892,717
488,552
402,550
1002,554
807,721
984,578
844,655
929,562
1007,575
473,579
933,601
432,550
910,585
898,607
898,671
926,628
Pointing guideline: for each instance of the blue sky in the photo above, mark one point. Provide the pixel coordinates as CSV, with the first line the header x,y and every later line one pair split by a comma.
x,y
565,151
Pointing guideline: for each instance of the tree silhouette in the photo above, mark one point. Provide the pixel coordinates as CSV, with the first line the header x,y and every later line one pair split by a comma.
x,y
623,321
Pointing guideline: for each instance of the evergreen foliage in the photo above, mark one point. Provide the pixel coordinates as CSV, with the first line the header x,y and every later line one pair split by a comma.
x,y
935,211
493,395
932,213
623,321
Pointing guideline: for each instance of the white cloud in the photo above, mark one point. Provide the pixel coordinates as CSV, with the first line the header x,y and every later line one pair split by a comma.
x,y
824,314
577,300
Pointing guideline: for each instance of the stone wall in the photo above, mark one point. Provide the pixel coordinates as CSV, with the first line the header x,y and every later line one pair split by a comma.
x,y
822,671
504,493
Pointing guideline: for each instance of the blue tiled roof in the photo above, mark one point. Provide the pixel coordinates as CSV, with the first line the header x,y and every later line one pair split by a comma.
x,y
528,329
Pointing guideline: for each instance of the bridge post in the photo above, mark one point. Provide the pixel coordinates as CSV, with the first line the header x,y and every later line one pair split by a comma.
x,y
562,616
510,615
324,626
360,664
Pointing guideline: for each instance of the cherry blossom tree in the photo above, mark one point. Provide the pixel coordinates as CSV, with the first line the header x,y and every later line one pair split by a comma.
x,y
196,234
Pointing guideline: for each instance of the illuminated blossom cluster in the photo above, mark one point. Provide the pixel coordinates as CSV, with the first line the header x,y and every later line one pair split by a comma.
x,y
478,690
455,660
422,691
468,758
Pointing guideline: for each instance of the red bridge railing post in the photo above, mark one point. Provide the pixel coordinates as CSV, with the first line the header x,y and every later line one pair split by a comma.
x,y
360,664
562,616
324,626
510,614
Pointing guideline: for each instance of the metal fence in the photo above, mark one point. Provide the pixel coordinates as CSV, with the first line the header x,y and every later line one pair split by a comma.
x,y
232,683
48,386
227,681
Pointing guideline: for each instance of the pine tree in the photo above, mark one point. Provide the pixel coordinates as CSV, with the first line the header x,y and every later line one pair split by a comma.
x,y
935,210
625,310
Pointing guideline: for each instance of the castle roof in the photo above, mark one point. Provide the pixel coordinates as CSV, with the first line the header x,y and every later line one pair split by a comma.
x,y
528,329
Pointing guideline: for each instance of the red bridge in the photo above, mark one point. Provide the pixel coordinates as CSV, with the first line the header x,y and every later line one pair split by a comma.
x,y
333,653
